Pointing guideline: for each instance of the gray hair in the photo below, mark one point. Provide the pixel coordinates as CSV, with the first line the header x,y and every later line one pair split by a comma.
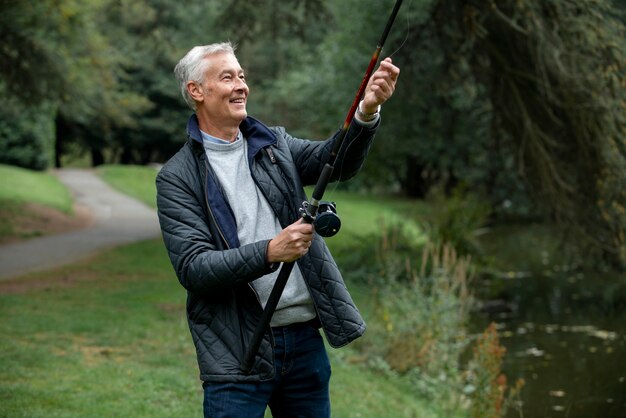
x,y
193,66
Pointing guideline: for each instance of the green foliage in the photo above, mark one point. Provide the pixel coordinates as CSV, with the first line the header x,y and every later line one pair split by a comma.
x,y
419,319
330,71
58,53
20,145
489,95
272,36
150,36
26,133
486,385
443,114
28,64
571,156
95,103
472,109
418,308
461,220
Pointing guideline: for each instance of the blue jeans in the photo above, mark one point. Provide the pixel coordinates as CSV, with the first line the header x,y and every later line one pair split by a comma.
x,y
299,389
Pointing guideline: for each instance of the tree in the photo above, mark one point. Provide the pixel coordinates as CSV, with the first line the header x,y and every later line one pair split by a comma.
x,y
55,55
29,76
555,75
436,125
28,65
523,102
93,101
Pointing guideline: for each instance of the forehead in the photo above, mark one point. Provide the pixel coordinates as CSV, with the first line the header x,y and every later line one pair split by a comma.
x,y
221,62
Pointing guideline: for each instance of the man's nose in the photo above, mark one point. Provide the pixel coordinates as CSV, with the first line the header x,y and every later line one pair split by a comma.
x,y
241,85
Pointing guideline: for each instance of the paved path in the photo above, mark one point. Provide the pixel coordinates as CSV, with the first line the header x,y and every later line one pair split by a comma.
x,y
118,218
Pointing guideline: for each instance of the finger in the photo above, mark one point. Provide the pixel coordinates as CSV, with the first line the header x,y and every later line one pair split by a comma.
x,y
391,69
381,85
388,76
386,66
303,247
382,89
302,226
386,60
394,76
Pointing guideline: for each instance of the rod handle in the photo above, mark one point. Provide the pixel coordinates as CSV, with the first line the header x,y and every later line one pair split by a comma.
x,y
266,316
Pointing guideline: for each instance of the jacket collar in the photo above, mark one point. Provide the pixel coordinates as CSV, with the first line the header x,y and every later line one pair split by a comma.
x,y
256,133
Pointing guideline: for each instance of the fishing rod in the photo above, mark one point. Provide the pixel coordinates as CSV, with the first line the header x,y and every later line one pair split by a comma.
x,y
321,214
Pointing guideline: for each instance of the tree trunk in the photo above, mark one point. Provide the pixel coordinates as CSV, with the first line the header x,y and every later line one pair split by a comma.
x,y
60,132
97,158
415,185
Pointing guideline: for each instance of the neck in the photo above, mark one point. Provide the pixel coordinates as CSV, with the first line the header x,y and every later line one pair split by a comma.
x,y
227,133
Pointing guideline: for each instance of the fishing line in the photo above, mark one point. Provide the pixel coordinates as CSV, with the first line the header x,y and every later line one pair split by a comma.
x,y
408,29
406,38
309,211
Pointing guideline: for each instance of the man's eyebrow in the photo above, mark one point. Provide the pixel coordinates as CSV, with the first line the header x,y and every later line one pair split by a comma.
x,y
231,71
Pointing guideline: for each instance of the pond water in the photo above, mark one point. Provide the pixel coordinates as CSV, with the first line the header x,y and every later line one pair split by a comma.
x,y
565,335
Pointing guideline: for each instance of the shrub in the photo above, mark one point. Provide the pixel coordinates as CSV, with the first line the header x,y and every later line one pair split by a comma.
x,y
23,136
460,221
486,384
420,306
418,311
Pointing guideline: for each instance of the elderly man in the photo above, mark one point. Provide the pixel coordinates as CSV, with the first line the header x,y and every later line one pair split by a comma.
x,y
228,206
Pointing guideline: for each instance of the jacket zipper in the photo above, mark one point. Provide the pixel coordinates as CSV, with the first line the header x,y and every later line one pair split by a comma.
x,y
206,200
221,233
270,153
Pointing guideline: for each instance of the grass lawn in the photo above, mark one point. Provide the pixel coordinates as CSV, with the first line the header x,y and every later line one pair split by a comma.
x,y
108,337
19,185
364,216
134,180
26,199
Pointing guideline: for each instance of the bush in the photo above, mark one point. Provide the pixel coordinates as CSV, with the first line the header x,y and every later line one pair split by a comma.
x,y
486,384
461,220
23,136
419,307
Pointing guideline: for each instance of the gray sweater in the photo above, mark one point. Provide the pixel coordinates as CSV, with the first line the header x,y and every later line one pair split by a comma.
x,y
256,221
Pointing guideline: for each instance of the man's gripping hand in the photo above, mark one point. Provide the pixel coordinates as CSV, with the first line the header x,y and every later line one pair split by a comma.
x,y
291,243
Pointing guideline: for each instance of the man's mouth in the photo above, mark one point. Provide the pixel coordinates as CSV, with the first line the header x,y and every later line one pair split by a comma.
x,y
239,100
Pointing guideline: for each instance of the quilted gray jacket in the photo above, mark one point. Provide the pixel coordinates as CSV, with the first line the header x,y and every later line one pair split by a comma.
x,y
200,235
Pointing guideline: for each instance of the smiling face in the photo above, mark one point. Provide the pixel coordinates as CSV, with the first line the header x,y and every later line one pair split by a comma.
x,y
222,96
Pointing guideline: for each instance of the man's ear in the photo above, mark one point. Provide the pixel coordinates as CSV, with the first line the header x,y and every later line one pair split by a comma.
x,y
195,91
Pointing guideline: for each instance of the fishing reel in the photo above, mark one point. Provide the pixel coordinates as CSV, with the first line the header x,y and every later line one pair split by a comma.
x,y
326,221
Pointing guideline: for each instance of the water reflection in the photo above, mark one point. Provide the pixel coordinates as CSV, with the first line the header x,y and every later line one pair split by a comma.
x,y
565,336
